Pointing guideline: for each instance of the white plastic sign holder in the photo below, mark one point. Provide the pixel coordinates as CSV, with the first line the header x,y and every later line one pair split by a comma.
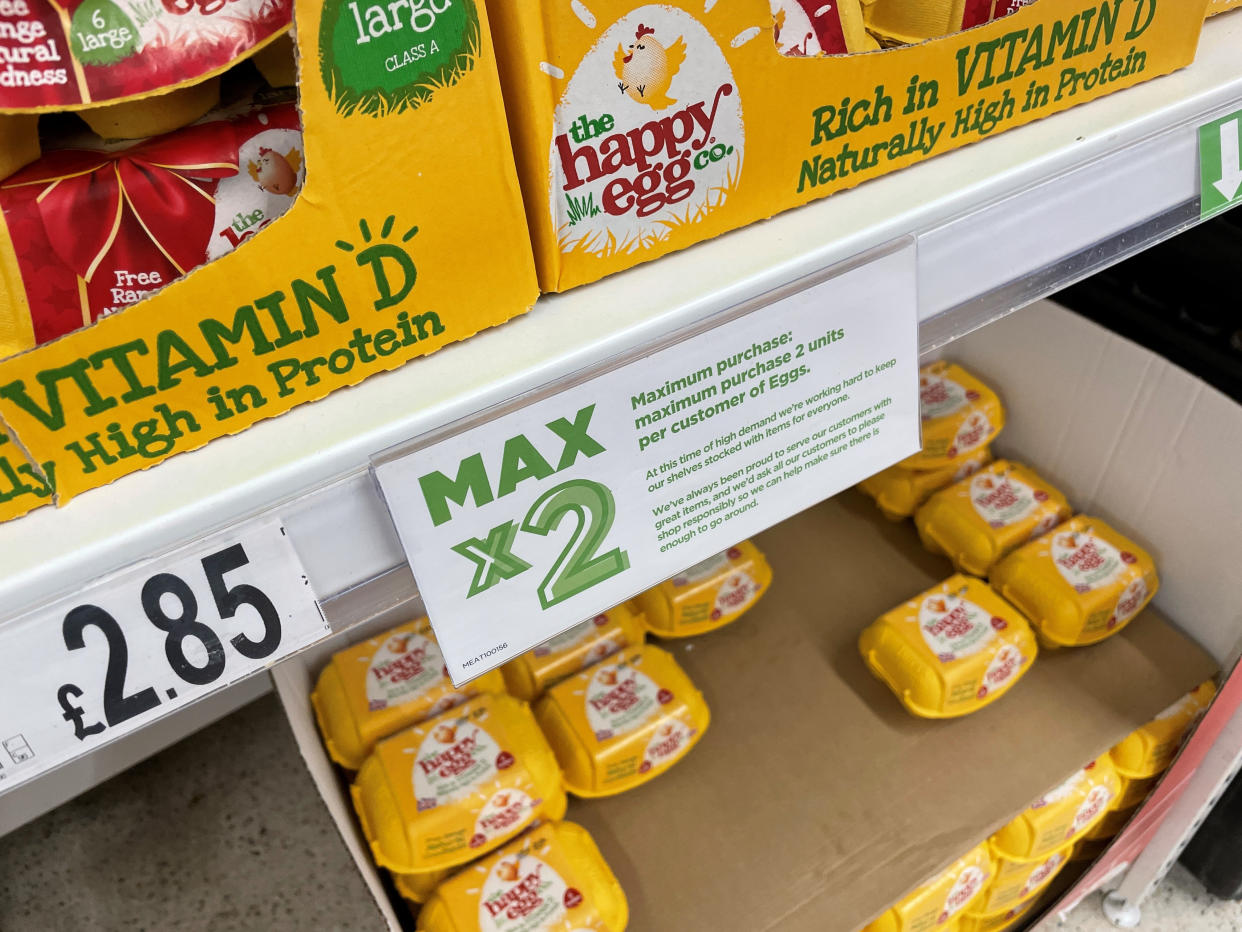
x,y
531,517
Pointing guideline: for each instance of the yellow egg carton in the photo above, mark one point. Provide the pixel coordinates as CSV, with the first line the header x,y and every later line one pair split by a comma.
x,y
552,878
960,416
1017,881
1079,583
19,145
899,490
940,902
409,285
1135,792
417,888
155,115
708,595
383,684
981,519
1000,922
1148,751
277,62
573,650
622,722
1112,823
951,650
456,787
1061,816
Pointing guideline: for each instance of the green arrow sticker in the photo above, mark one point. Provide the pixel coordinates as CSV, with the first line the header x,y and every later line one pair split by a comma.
x,y
1220,164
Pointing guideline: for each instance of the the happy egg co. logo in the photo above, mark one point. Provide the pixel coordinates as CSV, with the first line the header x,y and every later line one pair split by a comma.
x,y
648,136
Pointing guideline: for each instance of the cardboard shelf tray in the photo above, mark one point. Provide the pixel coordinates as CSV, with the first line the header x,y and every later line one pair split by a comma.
x,y
814,799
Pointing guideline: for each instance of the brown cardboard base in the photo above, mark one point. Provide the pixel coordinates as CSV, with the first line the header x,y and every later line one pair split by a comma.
x,y
814,799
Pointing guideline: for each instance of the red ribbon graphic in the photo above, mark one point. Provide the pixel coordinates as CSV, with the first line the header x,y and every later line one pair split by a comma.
x,y
95,201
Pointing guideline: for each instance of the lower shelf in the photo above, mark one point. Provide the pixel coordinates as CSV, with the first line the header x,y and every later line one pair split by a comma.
x,y
814,797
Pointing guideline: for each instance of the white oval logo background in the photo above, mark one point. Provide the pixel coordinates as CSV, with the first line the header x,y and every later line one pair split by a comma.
x,y
1001,499
954,627
522,894
406,679
595,91
244,195
1086,561
939,396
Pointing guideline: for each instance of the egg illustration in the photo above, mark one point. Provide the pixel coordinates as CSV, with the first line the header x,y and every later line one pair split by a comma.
x,y
276,173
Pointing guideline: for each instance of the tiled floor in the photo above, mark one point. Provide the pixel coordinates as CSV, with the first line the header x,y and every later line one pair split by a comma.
x,y
224,832
1180,904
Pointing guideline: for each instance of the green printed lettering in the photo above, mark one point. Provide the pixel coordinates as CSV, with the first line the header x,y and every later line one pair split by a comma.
x,y
576,438
471,482
51,414
494,560
168,342
520,461
329,300
245,322
119,357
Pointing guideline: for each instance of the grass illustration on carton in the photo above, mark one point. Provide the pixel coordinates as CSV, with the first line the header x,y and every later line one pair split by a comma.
x,y
146,11
580,208
371,65
602,246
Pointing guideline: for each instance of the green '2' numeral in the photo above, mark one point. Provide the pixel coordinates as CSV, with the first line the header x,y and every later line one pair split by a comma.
x,y
577,568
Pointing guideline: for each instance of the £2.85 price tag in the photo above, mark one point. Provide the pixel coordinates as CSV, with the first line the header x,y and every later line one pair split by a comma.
x,y
135,645
526,524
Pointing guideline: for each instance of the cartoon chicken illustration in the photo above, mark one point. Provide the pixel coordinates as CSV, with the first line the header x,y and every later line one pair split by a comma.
x,y
647,68
445,733
276,173
940,606
401,642
608,677
507,871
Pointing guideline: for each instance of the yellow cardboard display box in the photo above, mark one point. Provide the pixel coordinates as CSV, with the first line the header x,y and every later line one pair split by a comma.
x,y
641,128
407,162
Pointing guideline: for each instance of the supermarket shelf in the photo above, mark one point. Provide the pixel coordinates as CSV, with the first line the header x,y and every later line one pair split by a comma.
x,y
998,224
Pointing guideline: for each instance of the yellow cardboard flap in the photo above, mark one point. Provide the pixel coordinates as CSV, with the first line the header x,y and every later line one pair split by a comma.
x,y
407,163
642,128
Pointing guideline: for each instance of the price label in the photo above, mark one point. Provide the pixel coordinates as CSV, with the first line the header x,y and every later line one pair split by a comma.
x,y
521,526
134,646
